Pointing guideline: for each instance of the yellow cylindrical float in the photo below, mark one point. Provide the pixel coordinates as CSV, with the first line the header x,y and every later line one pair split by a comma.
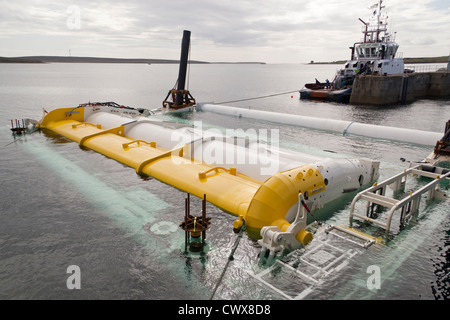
x,y
258,203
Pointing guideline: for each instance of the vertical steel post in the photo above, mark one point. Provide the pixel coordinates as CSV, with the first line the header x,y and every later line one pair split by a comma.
x,y
203,220
183,66
186,233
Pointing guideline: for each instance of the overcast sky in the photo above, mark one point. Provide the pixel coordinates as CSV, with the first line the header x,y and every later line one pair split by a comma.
x,y
273,31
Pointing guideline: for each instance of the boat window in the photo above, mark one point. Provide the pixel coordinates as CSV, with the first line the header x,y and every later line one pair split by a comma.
x,y
394,50
361,52
373,52
389,51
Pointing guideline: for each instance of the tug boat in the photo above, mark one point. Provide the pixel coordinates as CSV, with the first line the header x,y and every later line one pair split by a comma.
x,y
375,55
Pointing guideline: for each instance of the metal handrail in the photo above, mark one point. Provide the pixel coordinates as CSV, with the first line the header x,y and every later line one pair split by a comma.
x,y
376,187
413,198
425,67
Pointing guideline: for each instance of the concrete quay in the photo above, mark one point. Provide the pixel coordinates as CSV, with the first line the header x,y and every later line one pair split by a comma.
x,y
400,88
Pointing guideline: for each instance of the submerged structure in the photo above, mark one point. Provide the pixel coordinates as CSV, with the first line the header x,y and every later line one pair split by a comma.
x,y
256,182
274,205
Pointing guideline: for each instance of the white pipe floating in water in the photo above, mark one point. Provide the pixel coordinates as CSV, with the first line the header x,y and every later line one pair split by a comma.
x,y
258,160
345,127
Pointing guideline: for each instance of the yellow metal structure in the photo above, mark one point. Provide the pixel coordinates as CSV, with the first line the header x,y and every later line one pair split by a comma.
x,y
258,203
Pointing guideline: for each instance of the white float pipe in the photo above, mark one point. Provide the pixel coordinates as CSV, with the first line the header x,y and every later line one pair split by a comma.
x,y
345,127
258,160
250,157
108,120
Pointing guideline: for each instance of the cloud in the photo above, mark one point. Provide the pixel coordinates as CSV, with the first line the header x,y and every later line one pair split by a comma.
x,y
272,31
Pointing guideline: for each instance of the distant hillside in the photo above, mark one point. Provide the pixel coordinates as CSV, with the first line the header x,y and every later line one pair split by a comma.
x,y
19,60
58,59
443,59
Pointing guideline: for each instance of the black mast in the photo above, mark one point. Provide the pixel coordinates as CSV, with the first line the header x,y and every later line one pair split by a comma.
x,y
183,65
181,97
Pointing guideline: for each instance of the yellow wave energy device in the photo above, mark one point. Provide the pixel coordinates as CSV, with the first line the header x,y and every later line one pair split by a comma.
x,y
261,201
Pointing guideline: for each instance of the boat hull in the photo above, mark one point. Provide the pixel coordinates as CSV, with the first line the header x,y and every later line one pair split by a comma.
x,y
328,95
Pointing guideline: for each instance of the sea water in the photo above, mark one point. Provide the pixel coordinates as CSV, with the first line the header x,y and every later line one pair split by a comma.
x,y
63,206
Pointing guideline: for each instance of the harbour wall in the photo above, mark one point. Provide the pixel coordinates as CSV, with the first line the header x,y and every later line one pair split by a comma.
x,y
400,88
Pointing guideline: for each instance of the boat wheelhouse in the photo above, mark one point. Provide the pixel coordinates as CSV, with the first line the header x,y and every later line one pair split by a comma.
x,y
376,54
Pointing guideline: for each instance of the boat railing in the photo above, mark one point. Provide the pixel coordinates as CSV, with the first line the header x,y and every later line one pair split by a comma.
x,y
425,67
373,29
409,205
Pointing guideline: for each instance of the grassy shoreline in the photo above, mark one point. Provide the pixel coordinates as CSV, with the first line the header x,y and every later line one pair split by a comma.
x,y
62,59
19,60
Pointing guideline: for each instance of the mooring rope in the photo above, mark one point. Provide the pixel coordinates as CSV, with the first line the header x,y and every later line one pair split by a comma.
x,y
22,137
15,140
261,97
230,258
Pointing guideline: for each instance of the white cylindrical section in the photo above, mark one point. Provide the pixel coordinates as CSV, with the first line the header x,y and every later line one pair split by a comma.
x,y
391,133
345,127
340,176
165,138
107,120
292,119
258,160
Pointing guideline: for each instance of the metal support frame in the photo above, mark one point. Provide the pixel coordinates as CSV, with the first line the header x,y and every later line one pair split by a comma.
x,y
195,226
18,127
181,97
308,269
274,240
408,205
313,266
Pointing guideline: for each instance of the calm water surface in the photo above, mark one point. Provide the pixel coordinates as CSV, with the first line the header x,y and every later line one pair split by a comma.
x,y
62,206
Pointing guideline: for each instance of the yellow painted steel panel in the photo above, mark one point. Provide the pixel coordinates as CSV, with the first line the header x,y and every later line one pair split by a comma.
x,y
260,204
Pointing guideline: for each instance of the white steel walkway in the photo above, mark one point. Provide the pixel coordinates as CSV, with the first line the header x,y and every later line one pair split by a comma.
x,y
300,271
